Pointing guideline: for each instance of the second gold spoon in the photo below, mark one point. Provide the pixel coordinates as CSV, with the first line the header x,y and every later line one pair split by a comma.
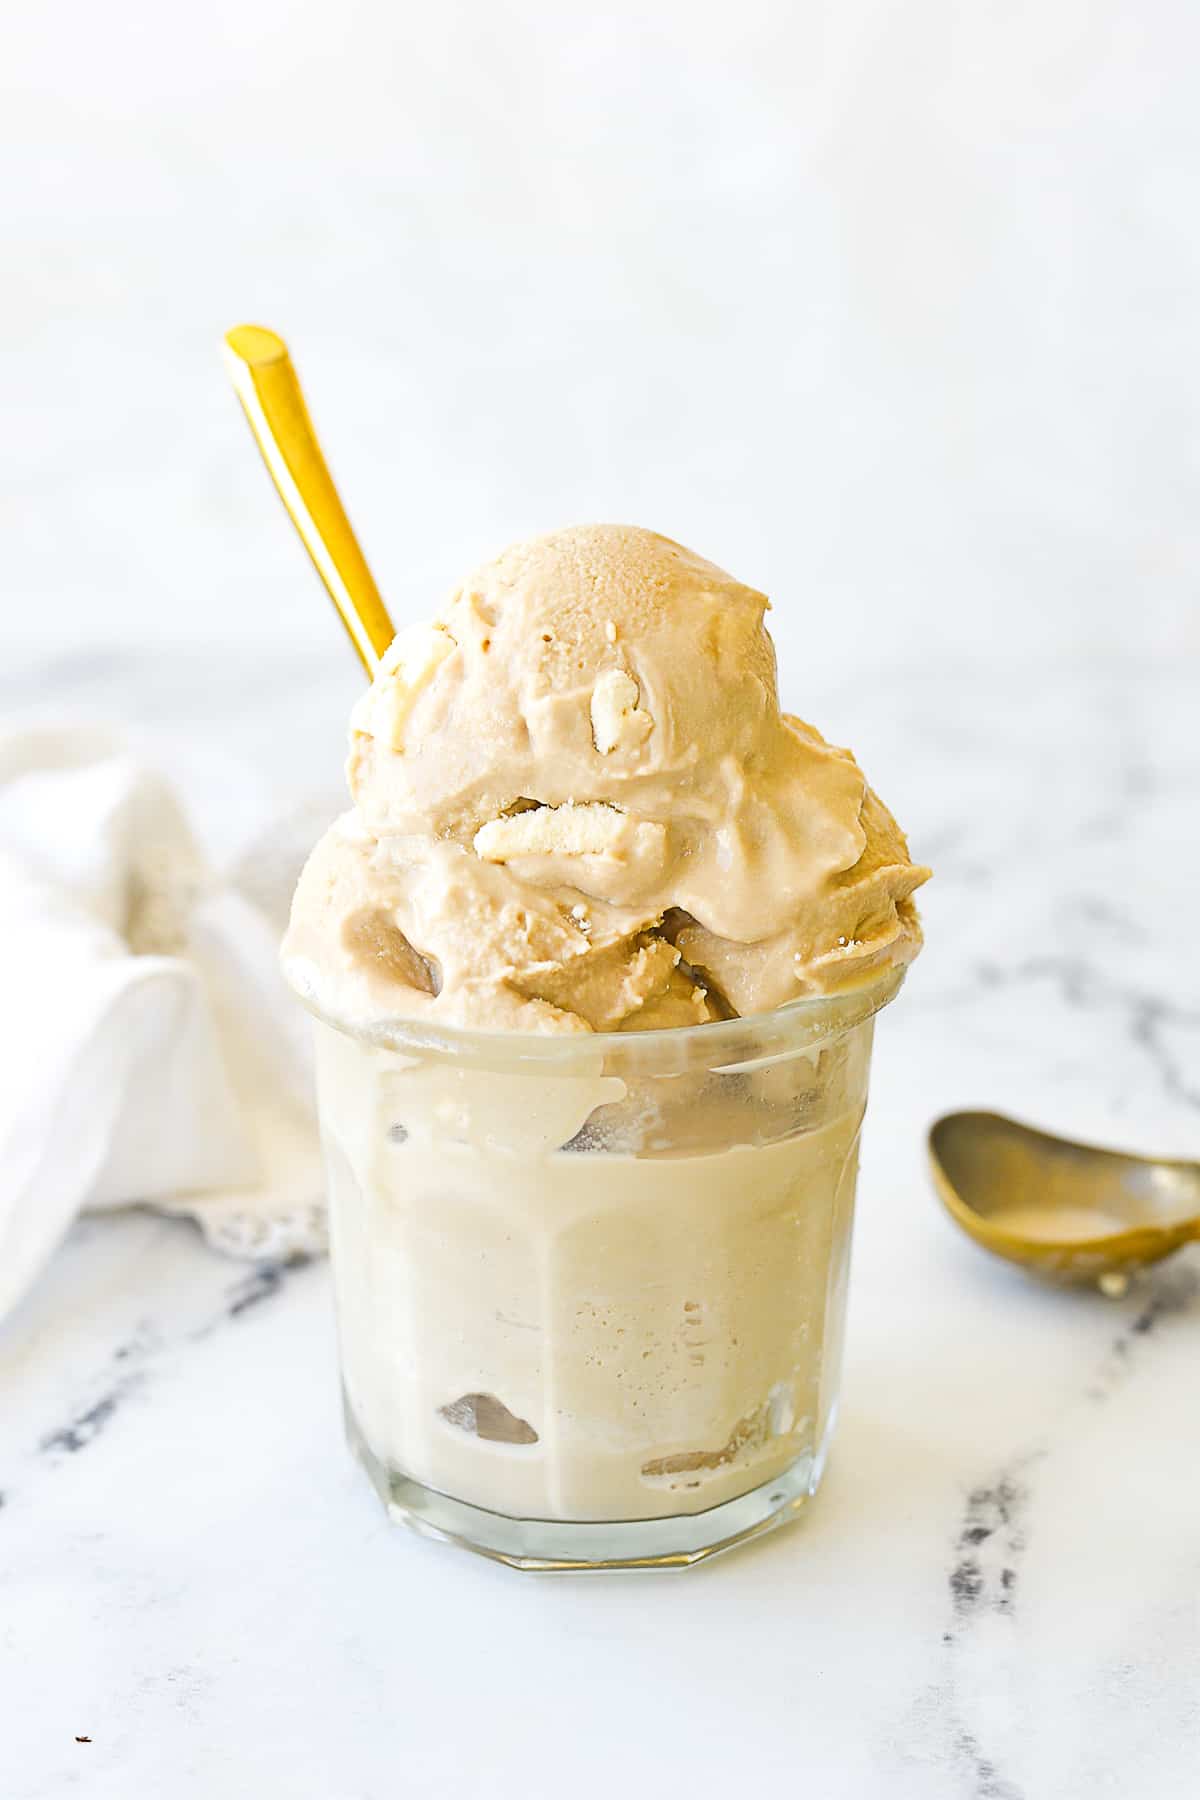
x,y
1068,1211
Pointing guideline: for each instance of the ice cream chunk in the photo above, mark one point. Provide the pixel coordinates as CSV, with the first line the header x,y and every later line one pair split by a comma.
x,y
593,829
408,665
618,720
578,806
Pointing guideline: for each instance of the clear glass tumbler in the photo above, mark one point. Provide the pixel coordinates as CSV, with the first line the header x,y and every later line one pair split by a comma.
x,y
591,1289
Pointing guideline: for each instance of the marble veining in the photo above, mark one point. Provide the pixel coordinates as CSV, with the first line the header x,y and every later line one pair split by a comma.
x,y
986,1564
997,1594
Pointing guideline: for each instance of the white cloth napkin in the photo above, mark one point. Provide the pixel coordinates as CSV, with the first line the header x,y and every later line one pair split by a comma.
x,y
149,1050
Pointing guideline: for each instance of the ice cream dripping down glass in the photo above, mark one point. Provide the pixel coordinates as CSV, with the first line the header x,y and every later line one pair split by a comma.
x,y
594,964
591,1289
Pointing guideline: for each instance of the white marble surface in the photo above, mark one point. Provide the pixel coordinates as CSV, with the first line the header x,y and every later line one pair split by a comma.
x,y
997,1594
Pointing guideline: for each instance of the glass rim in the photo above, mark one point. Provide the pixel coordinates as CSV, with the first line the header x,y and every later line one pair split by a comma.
x,y
785,1029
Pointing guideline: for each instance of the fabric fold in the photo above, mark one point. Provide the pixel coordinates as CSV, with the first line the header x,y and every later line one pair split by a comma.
x,y
152,1054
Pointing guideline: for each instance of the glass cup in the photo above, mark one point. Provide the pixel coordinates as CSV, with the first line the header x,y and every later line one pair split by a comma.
x,y
591,1289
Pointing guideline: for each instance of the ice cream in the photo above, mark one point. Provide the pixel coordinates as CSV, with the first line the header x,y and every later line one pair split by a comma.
x,y
600,1296
595,1282
578,806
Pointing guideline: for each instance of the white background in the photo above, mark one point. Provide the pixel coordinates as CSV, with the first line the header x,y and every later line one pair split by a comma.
x,y
890,309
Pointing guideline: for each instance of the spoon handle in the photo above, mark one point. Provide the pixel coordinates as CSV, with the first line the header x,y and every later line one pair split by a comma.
x,y
270,393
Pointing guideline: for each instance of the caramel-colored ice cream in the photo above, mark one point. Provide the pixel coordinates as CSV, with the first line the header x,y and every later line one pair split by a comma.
x,y
598,1281
578,807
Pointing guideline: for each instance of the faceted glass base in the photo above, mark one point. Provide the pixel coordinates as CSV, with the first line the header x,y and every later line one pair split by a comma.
x,y
546,1545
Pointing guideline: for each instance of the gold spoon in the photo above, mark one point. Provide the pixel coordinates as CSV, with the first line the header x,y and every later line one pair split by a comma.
x,y
1066,1211
270,393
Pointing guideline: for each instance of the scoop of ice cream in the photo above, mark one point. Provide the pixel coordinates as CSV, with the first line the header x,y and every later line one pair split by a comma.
x,y
578,806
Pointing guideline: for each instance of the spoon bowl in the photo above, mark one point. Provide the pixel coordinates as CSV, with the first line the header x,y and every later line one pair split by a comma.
x,y
1065,1211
